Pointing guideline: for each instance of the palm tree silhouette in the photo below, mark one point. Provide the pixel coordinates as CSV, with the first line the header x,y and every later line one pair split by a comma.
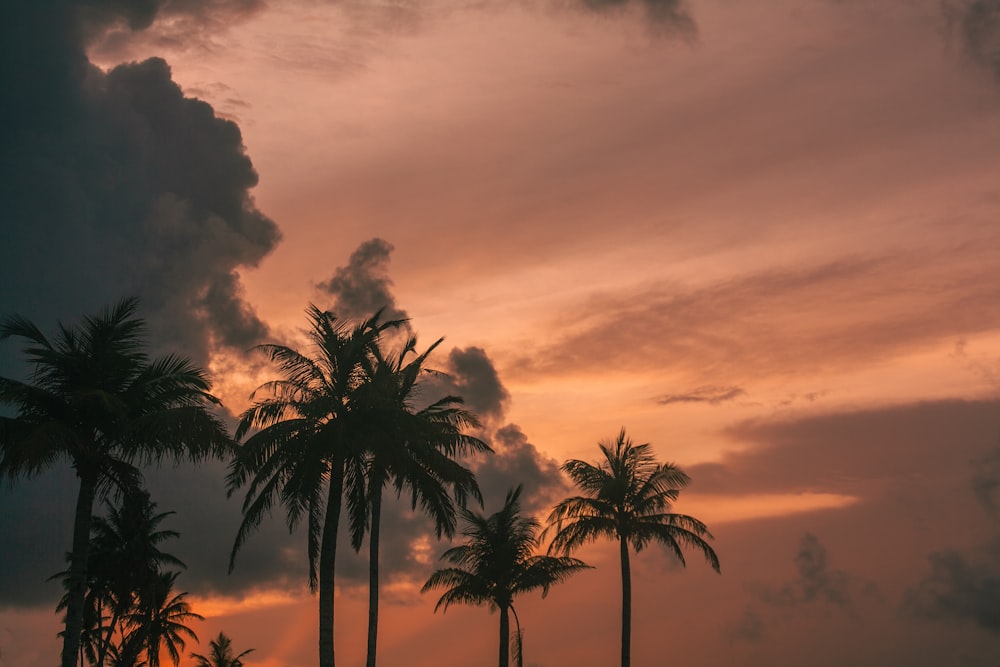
x,y
496,563
221,654
97,400
628,498
159,618
306,453
124,558
413,449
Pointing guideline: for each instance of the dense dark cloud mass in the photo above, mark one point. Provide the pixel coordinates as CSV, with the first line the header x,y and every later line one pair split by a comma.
x,y
116,184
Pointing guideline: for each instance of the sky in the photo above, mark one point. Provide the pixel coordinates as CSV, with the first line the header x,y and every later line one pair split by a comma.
x,y
763,237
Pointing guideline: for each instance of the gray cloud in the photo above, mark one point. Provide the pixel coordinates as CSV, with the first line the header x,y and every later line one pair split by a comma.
x,y
470,374
363,286
854,452
816,581
977,23
116,184
711,395
517,461
960,587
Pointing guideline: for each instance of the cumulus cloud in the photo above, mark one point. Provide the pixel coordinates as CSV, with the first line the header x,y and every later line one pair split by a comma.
x,y
115,184
518,461
363,286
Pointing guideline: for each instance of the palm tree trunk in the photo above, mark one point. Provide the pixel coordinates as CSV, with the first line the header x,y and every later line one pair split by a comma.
x,y
504,638
327,564
373,569
78,567
626,605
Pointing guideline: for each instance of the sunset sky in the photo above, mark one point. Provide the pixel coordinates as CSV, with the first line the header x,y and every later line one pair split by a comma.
x,y
762,236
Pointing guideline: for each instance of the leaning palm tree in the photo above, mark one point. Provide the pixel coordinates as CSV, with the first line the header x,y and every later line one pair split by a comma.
x,y
628,498
221,654
97,400
304,452
411,449
498,562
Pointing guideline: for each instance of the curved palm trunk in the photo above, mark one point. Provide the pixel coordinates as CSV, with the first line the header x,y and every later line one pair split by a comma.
x,y
504,638
373,570
78,568
327,564
626,605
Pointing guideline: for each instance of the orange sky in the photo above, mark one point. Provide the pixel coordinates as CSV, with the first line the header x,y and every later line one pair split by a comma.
x,y
766,243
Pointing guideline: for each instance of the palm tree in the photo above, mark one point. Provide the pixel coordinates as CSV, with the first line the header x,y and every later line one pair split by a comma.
x,y
304,454
159,620
221,654
497,563
628,498
97,400
413,449
124,558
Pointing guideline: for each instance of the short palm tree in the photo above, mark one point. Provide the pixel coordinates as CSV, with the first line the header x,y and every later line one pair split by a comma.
x,y
221,654
124,559
628,499
413,449
305,453
97,400
160,618
497,563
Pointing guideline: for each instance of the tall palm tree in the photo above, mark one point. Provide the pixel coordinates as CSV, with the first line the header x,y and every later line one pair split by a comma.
x,y
414,449
221,654
305,453
97,400
628,498
498,562
159,619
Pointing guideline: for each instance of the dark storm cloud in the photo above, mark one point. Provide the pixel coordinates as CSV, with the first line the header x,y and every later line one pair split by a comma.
x,y
363,286
709,395
960,587
977,23
116,184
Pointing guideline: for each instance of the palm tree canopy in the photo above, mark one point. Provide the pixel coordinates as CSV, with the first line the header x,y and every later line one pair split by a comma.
x,y
96,398
160,619
221,654
415,448
304,420
497,561
628,497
